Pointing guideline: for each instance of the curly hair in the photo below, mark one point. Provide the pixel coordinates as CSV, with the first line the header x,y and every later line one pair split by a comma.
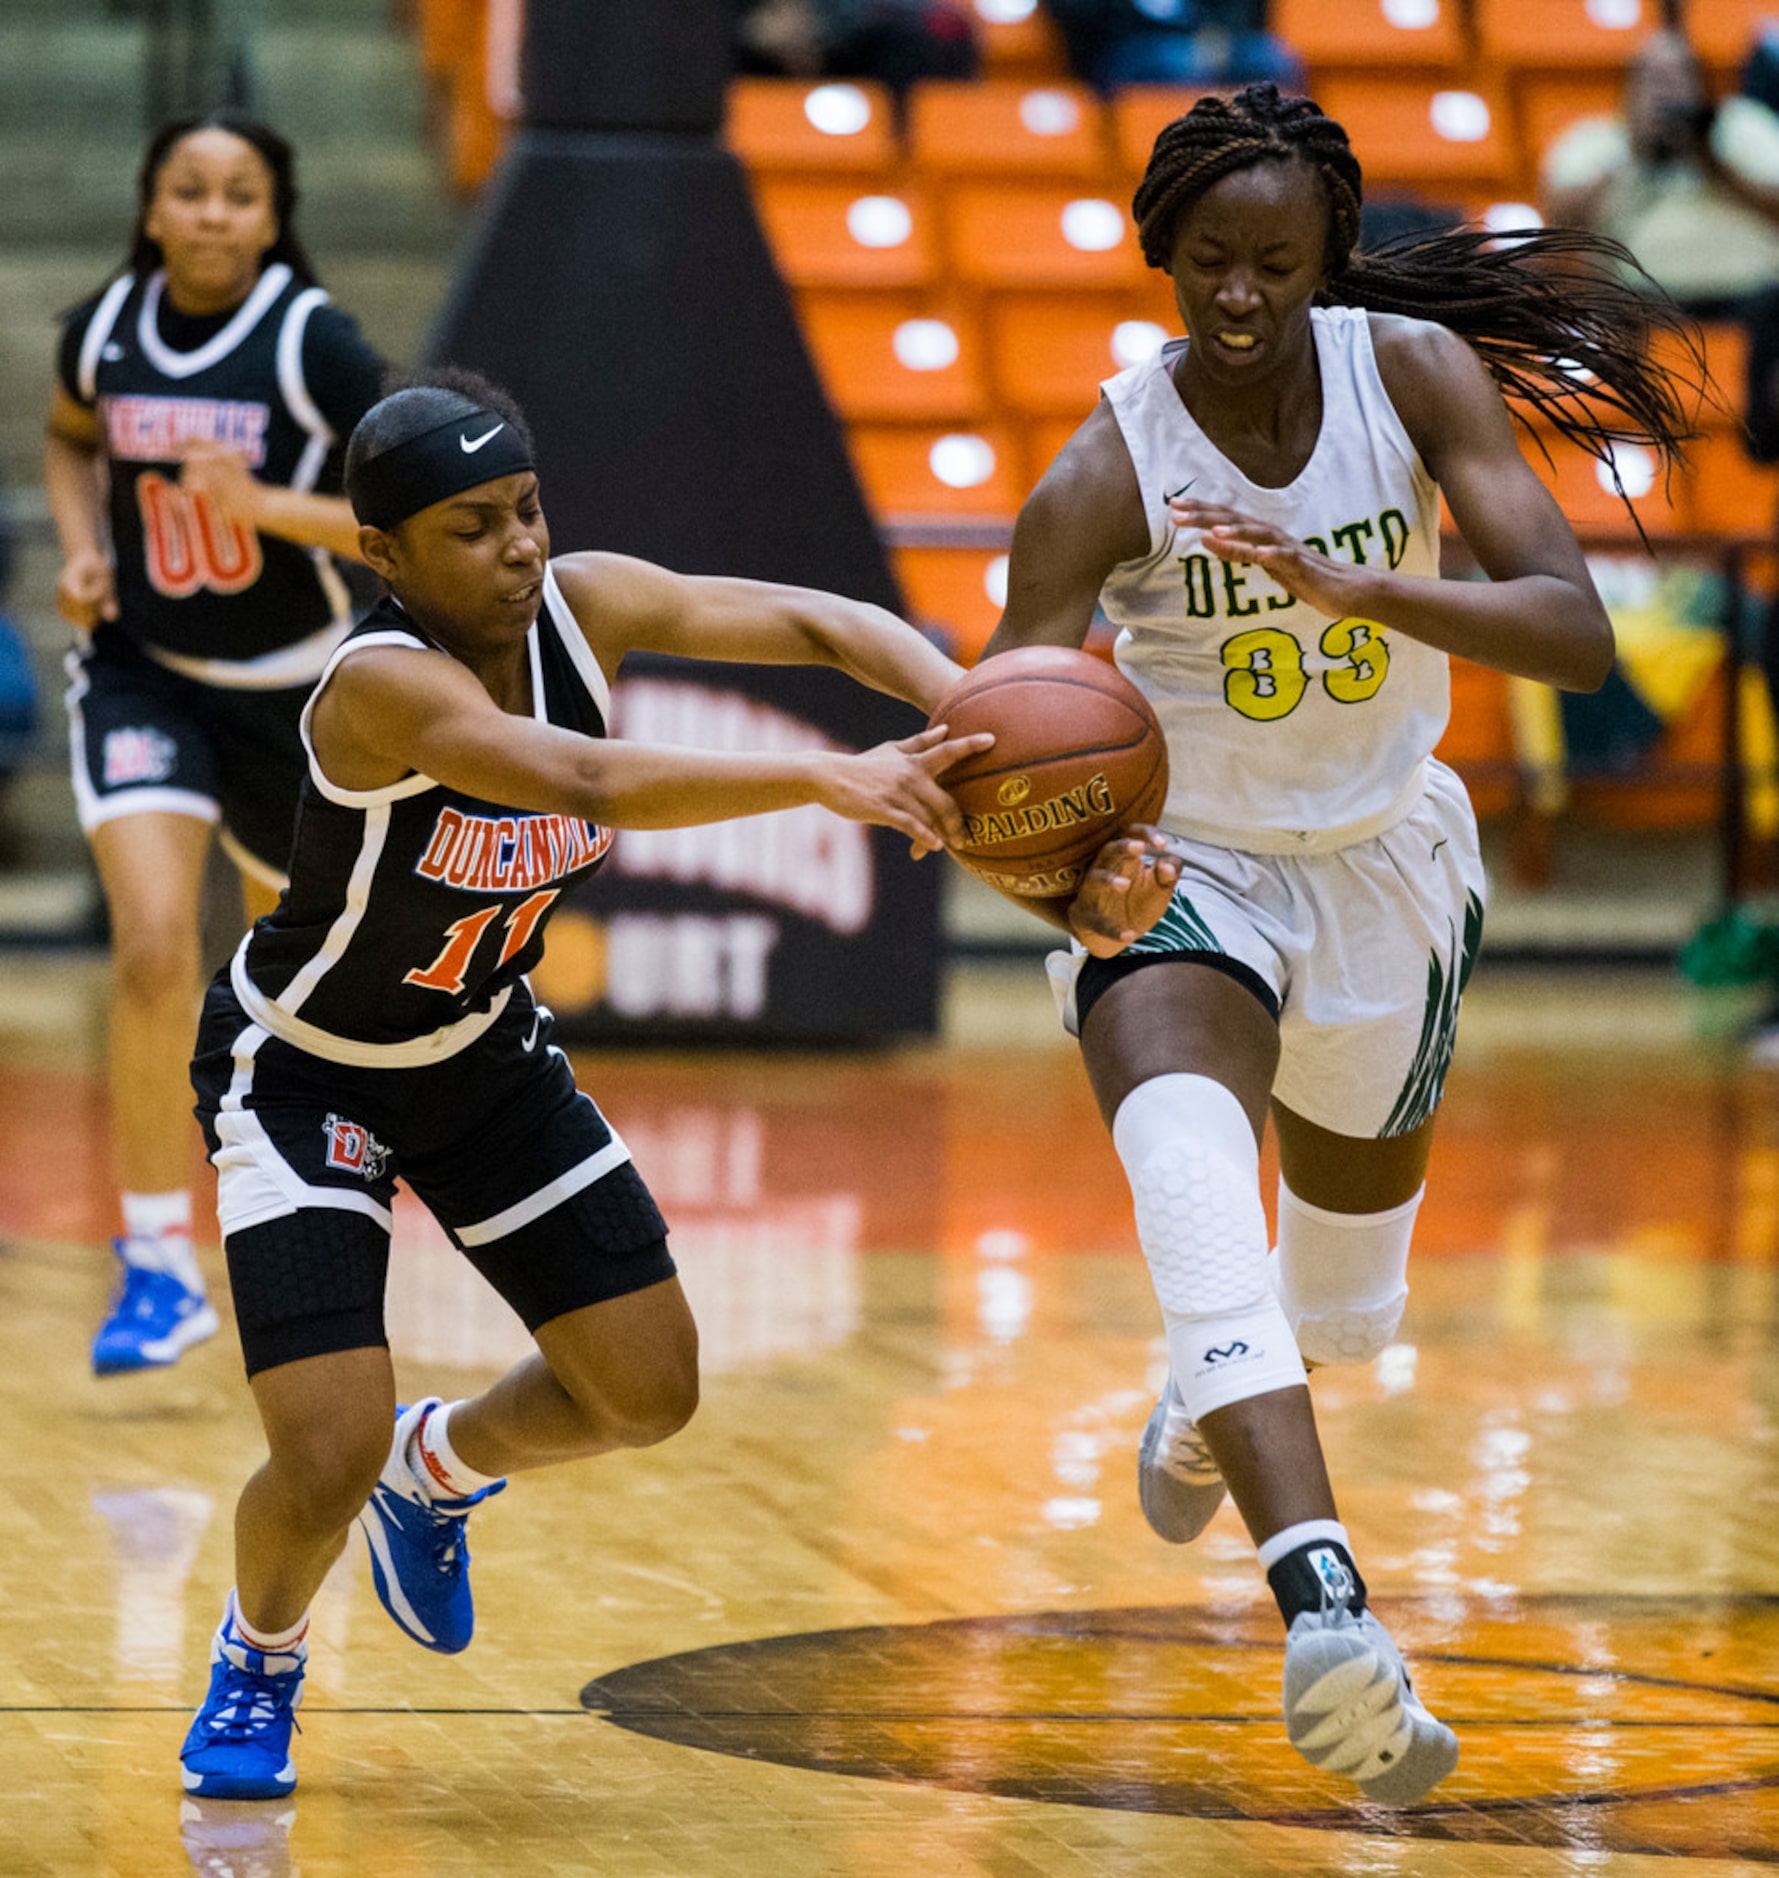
x,y
1565,321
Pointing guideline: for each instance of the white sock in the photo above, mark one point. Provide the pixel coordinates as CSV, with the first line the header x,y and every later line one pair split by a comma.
x,y
267,1642
157,1235
436,1464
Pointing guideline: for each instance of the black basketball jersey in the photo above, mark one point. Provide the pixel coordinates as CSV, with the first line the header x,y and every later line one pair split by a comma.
x,y
412,910
282,379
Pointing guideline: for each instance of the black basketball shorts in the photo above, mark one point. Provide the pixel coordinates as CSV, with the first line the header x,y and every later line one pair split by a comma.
x,y
143,738
528,1179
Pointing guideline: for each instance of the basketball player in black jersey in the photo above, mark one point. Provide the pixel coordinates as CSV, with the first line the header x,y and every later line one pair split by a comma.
x,y
200,413
380,1023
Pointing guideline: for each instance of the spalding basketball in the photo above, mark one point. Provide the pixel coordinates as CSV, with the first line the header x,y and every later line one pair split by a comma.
x,y
1078,756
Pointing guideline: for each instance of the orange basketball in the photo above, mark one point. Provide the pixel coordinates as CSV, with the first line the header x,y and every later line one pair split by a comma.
x,y
1078,756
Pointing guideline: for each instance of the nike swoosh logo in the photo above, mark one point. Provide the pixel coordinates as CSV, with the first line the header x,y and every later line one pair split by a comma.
x,y
531,1041
469,448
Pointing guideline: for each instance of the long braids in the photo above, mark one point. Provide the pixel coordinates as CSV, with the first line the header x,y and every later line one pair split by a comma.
x,y
1551,312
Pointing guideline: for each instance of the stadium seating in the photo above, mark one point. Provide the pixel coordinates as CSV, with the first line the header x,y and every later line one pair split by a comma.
x,y
959,590
1039,235
780,127
1019,40
1724,31
929,470
1048,353
828,233
1005,128
1422,133
1139,115
1597,34
1346,35
894,358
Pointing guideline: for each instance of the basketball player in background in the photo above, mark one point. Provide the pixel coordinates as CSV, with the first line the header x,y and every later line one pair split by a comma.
x,y
1257,510
201,406
380,1023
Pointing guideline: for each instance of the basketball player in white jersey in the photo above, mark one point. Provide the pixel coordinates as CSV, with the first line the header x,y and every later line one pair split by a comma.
x,y
1257,510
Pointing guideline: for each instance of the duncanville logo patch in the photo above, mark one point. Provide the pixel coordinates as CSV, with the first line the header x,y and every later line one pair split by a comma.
x,y
138,756
353,1149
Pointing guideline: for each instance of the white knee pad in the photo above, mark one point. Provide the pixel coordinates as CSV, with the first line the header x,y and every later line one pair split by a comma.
x,y
1194,1171
1342,1277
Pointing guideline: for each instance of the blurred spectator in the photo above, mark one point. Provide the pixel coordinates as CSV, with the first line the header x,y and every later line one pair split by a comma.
x,y
18,695
1689,186
892,41
1173,42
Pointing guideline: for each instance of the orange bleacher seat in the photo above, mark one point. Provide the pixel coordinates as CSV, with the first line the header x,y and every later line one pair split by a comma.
x,y
928,470
1585,494
1139,115
1000,127
786,125
1353,34
1479,739
1418,132
1007,235
1019,40
891,358
1724,31
1727,493
960,590
1044,438
1048,353
826,233
1550,103
1602,34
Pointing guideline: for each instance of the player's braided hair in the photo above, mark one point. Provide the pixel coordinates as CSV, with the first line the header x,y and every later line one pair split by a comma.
x,y
1552,312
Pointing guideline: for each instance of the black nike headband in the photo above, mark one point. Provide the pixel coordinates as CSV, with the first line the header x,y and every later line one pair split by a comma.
x,y
475,447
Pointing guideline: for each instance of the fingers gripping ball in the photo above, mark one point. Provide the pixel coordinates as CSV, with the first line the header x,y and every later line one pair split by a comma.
x,y
1078,756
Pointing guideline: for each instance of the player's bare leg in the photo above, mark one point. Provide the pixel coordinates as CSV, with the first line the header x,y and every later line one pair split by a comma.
x,y
152,868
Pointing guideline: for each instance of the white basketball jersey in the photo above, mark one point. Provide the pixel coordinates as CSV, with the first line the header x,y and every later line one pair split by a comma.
x,y
1288,730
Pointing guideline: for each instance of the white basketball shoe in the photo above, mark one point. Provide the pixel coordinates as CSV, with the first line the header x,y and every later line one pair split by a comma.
x,y
1350,1707
1177,1481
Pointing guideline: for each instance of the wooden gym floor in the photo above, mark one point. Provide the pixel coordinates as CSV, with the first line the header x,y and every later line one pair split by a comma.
x,y
888,1606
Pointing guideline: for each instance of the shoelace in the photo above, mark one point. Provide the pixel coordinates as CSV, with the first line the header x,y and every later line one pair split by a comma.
x,y
249,1707
446,1534
1184,1451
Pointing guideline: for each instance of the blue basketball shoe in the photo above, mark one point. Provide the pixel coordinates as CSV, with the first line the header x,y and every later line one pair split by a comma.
x,y
238,1747
153,1319
420,1547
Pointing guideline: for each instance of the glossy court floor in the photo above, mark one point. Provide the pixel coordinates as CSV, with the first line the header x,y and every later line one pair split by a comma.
x,y
888,1606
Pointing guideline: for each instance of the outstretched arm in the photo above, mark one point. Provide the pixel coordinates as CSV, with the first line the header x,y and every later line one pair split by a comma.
x,y
626,605
391,711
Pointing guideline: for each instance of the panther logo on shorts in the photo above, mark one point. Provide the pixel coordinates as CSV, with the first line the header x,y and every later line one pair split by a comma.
x,y
138,756
353,1149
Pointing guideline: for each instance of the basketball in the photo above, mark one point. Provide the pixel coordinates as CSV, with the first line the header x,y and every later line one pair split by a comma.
x,y
1078,756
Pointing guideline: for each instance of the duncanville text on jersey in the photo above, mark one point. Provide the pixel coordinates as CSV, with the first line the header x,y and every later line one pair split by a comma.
x,y
508,853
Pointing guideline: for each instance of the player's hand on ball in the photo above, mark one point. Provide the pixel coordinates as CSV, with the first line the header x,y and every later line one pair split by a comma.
x,y
1330,586
896,784
1124,892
